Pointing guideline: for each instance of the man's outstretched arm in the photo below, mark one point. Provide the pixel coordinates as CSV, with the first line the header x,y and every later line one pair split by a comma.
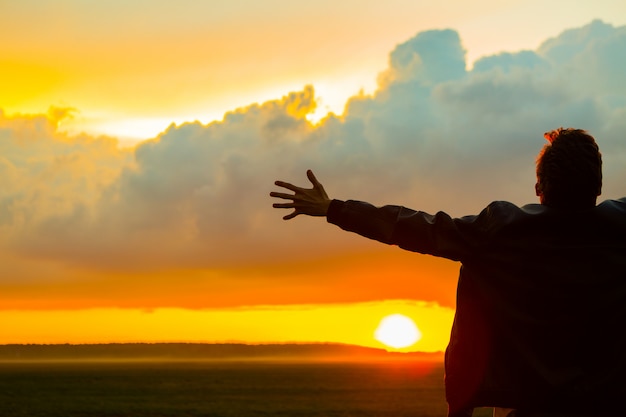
x,y
310,201
438,235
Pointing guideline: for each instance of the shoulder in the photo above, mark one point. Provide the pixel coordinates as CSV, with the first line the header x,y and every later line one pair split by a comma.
x,y
508,211
612,210
619,204
502,215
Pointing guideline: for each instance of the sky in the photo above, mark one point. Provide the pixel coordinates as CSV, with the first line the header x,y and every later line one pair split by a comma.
x,y
139,142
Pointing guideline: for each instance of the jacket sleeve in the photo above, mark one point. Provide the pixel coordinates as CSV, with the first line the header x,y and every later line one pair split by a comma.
x,y
438,235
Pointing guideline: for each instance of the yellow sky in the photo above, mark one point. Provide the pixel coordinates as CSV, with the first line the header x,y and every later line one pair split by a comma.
x,y
340,323
132,68
172,238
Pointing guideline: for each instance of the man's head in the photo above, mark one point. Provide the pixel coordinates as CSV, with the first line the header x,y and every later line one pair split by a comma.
x,y
569,170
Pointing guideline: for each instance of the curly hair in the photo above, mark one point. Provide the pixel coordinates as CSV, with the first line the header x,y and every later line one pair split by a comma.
x,y
569,169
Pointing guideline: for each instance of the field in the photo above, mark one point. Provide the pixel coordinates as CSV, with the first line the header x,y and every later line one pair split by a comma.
x,y
221,389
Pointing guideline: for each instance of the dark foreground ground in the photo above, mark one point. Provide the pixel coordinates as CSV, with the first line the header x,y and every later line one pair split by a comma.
x,y
222,389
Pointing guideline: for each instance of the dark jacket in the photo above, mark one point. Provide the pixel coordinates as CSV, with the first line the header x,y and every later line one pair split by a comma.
x,y
540,319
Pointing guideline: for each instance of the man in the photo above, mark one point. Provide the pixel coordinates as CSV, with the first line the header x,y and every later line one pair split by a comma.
x,y
540,324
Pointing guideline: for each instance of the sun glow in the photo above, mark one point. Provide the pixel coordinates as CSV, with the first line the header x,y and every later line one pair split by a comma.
x,y
397,331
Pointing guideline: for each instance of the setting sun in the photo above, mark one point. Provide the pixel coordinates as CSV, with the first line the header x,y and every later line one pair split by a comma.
x,y
397,331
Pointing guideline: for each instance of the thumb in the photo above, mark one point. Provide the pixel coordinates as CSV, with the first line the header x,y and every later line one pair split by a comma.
x,y
312,178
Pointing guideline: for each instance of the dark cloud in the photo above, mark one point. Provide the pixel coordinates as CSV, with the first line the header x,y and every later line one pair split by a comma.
x,y
433,136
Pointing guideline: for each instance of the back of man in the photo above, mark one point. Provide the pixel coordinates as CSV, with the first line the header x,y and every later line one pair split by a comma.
x,y
541,311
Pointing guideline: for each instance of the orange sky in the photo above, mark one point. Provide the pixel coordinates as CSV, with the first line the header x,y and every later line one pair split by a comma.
x,y
374,275
138,146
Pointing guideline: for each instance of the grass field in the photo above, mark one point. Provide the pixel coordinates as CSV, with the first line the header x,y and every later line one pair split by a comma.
x,y
221,388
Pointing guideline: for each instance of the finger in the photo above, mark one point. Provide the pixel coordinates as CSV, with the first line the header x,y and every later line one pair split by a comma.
x,y
283,205
284,196
286,185
291,215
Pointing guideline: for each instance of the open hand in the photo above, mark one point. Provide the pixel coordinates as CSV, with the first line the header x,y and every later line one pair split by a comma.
x,y
310,201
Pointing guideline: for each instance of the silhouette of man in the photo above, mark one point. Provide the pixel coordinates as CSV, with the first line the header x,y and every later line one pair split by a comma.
x,y
540,323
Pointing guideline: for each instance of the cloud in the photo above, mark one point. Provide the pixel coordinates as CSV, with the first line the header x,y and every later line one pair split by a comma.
x,y
435,135
428,59
49,176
